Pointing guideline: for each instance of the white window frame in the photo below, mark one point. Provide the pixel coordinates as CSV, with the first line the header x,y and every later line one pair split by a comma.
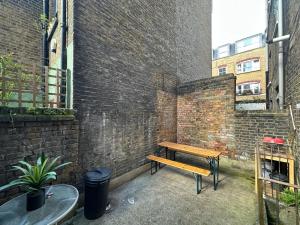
x,y
223,72
240,88
240,67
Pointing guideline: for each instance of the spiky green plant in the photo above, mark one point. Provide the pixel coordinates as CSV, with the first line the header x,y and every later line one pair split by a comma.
x,y
289,197
35,176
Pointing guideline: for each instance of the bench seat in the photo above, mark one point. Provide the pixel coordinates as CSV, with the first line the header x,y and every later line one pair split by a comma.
x,y
196,170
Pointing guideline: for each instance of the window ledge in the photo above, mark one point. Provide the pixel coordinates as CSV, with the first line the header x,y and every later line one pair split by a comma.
x,y
248,72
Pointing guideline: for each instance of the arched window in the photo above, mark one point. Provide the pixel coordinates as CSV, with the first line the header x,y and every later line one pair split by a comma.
x,y
248,66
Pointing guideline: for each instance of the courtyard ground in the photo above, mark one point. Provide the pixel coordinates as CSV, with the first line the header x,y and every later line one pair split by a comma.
x,y
169,198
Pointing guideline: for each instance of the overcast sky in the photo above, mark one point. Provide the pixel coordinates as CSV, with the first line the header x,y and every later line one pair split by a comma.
x,y
235,19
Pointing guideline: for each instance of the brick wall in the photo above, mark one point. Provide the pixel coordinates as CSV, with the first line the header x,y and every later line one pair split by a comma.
x,y
125,75
291,53
193,39
19,31
29,137
206,118
251,125
291,58
167,116
292,66
206,113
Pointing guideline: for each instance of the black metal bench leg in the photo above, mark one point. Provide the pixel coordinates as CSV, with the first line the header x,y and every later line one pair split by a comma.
x,y
151,167
218,169
199,183
166,149
215,169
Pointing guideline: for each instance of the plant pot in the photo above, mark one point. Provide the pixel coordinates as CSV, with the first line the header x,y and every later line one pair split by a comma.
x,y
35,199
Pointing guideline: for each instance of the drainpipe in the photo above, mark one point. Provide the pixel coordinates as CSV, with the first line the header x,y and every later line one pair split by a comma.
x,y
45,33
63,56
63,34
280,55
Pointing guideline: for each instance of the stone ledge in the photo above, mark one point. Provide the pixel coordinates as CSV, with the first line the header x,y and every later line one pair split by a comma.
x,y
33,118
261,113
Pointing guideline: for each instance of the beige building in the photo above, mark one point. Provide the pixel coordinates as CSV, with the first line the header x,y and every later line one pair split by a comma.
x,y
246,60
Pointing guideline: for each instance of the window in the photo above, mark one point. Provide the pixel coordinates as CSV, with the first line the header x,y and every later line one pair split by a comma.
x,y
222,71
223,51
248,66
248,89
248,44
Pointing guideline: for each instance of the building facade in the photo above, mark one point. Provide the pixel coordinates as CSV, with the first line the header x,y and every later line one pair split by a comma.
x,y
129,57
291,55
125,60
246,60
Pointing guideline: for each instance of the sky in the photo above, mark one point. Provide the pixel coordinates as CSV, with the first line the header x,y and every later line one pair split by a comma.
x,y
235,19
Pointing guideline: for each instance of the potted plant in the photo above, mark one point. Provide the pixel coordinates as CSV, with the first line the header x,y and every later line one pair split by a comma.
x,y
34,177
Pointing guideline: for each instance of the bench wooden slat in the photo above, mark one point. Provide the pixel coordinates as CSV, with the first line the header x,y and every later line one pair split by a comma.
x,y
180,165
190,149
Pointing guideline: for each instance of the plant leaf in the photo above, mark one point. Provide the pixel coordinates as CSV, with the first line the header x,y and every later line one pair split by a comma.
x,y
61,165
21,169
12,184
39,161
26,164
52,164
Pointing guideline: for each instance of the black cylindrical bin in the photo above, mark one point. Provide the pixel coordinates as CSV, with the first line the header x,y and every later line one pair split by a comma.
x,y
96,192
279,177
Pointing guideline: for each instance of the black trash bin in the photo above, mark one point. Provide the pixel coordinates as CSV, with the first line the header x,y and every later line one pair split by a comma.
x,y
96,192
279,177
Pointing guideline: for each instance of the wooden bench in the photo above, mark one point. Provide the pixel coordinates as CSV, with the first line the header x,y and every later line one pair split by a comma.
x,y
196,170
212,156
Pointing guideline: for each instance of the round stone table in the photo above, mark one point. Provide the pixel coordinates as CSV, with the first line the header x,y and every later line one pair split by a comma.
x,y
60,200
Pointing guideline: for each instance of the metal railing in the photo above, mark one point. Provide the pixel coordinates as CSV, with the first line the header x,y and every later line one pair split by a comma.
x,y
34,87
274,190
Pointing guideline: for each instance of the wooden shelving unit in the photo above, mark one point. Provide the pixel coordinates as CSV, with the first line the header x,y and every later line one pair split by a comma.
x,y
277,157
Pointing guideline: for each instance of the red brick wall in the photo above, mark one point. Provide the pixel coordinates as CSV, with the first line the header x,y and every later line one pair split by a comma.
x,y
167,116
206,113
206,117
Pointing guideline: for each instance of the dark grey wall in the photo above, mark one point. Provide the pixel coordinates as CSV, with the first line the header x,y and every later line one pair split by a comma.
x,y
126,52
29,136
193,39
19,33
291,53
291,59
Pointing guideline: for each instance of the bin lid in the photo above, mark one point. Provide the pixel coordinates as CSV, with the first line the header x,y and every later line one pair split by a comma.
x,y
104,172
98,175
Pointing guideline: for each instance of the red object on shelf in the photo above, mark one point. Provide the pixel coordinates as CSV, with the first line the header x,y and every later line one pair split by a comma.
x,y
268,140
278,141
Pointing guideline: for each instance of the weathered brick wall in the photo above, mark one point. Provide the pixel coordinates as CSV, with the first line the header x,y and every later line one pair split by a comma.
x,y
206,113
291,58
19,31
291,53
26,139
167,116
292,65
125,76
206,118
252,126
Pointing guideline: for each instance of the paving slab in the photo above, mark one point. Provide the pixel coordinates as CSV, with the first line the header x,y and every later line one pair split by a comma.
x,y
169,198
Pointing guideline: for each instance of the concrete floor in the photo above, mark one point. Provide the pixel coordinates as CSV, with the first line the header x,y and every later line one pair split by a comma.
x,y
169,198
